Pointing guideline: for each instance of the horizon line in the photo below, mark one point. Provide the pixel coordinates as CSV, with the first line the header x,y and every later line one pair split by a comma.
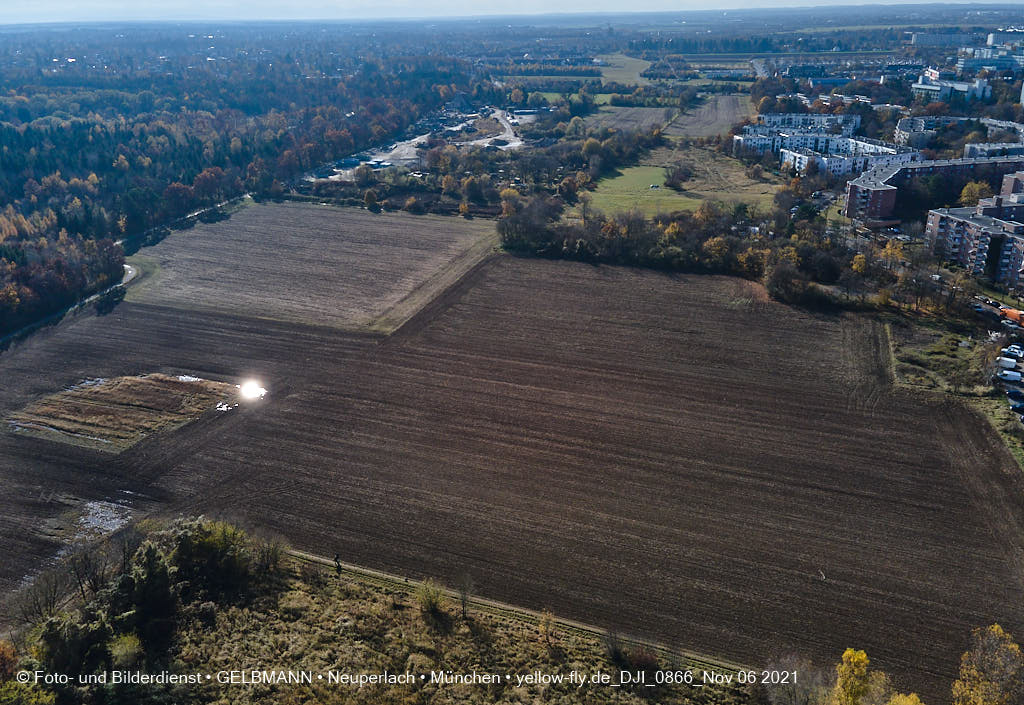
x,y
810,5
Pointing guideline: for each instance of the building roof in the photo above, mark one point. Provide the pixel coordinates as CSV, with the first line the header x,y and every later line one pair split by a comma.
x,y
878,177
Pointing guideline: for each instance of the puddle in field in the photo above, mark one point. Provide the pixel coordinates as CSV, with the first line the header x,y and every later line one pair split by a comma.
x,y
100,518
95,520
92,382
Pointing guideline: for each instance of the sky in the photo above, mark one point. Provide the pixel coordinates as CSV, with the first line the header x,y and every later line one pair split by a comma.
x,y
16,11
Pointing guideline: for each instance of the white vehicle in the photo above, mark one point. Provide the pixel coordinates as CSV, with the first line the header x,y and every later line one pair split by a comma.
x,y
1013,351
1007,363
1008,376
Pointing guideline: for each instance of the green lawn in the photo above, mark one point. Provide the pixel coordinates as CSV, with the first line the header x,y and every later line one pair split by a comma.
x,y
552,96
623,69
631,189
834,215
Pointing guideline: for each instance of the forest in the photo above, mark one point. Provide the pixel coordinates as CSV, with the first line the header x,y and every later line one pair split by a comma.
x,y
104,136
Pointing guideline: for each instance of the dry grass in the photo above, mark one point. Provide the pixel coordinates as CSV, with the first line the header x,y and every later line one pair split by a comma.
x,y
716,176
115,414
713,117
629,119
322,621
483,127
619,68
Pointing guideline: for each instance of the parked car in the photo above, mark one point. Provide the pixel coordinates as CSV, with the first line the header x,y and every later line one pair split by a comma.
x,y
1017,408
1008,376
1012,351
1015,395
1007,363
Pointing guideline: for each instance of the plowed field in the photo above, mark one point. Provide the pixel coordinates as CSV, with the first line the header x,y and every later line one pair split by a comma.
x,y
671,456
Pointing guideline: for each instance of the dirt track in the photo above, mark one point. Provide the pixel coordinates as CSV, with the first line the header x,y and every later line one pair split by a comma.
x,y
670,456
713,117
623,118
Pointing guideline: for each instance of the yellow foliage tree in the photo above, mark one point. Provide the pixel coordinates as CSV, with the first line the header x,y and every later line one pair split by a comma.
x,y
789,254
859,264
752,261
851,678
717,250
892,252
973,192
901,699
706,213
856,684
992,671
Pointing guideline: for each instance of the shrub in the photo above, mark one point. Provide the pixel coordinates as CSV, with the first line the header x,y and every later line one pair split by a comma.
x,y
642,658
312,575
15,693
267,556
67,645
213,558
546,627
430,598
8,661
207,613
785,283
125,651
676,176
40,600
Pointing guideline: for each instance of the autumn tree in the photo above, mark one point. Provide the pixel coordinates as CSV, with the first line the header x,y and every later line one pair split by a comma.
x,y
973,192
852,679
472,189
8,661
363,176
810,688
856,684
905,699
992,671
892,253
510,202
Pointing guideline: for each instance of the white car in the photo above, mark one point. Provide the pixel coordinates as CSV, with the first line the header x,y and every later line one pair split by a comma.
x,y
1008,376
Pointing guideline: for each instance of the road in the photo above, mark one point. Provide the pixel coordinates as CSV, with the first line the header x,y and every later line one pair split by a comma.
x,y
129,273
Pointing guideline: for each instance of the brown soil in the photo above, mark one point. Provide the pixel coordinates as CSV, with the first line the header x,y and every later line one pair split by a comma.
x,y
670,456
